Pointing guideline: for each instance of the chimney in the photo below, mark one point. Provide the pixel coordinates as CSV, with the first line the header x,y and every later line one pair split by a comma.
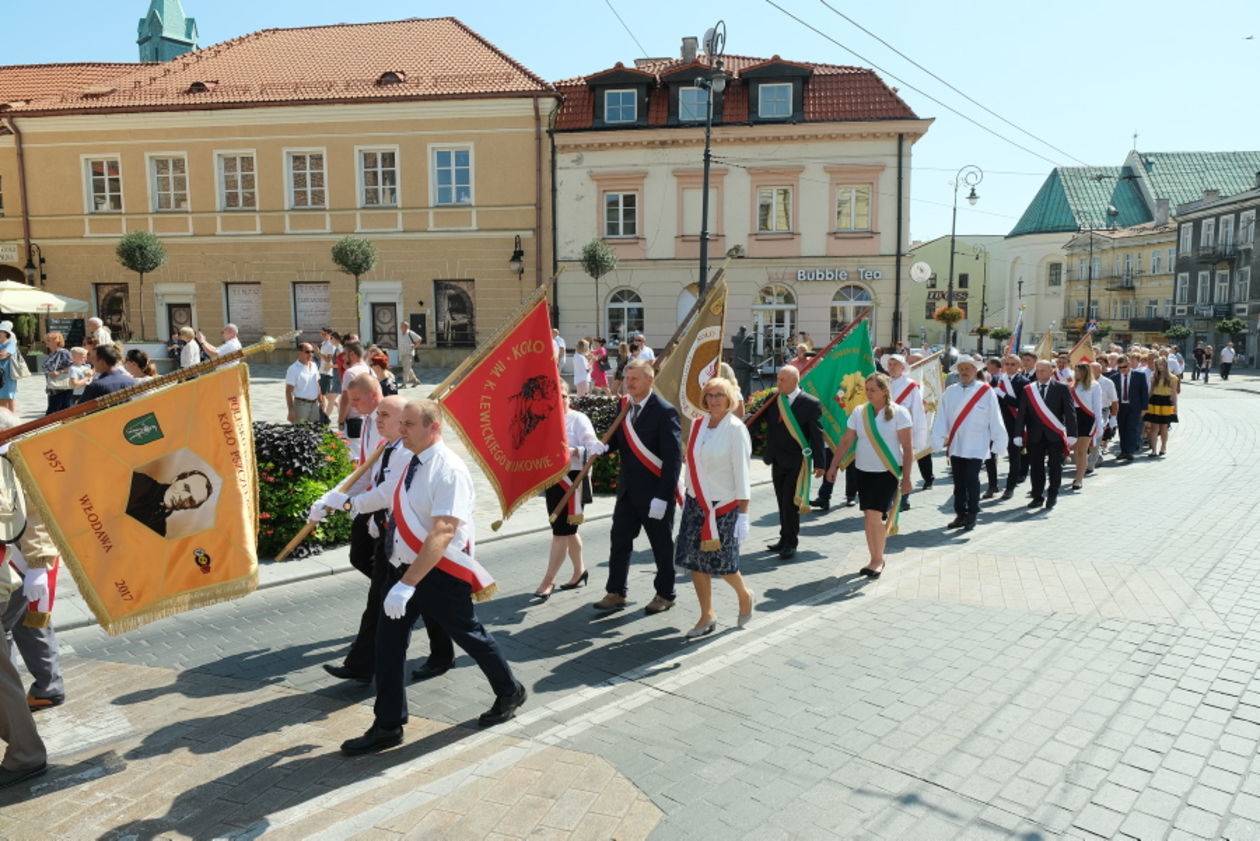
x,y
1211,195
1161,212
690,45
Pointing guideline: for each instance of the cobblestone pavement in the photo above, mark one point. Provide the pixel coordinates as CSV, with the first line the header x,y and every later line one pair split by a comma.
x,y
1088,673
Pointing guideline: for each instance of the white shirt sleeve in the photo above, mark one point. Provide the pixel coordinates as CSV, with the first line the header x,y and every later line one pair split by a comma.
x,y
741,456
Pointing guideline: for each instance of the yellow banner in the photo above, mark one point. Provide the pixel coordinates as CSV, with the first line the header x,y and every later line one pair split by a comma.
x,y
153,502
694,360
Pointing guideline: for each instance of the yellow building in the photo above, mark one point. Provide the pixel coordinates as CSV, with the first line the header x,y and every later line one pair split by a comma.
x,y
252,157
1123,279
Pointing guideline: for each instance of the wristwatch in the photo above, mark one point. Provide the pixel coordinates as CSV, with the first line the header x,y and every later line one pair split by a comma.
x,y
348,505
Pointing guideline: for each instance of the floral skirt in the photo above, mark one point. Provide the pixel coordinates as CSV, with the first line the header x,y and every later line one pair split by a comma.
x,y
687,552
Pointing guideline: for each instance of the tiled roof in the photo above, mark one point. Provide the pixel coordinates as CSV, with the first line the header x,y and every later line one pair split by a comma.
x,y
833,93
435,58
1183,176
1078,197
21,83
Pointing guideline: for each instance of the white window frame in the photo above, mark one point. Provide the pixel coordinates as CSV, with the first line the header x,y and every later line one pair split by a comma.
x,y
1157,266
1225,231
360,174
1080,307
621,214
1242,285
624,305
1093,309
1126,309
1203,291
1207,233
704,104
1152,308
1220,289
1183,287
1246,227
155,192
777,192
848,194
434,149
634,106
761,100
89,204
220,178
289,194
1187,238
1172,260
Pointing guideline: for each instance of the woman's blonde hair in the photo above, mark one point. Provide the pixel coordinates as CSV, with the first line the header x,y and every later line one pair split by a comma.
x,y
1162,375
881,380
726,387
1084,374
583,346
187,333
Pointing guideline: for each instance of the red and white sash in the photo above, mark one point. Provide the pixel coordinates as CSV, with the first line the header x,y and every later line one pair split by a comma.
x,y
901,398
459,563
962,416
646,457
39,613
1093,429
710,541
573,508
1047,417
1004,386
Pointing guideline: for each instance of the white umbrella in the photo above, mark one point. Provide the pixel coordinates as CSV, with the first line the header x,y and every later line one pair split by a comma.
x,y
18,297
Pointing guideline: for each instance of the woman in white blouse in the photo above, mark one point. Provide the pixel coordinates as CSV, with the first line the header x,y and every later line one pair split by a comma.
x,y
1088,400
582,368
715,511
565,540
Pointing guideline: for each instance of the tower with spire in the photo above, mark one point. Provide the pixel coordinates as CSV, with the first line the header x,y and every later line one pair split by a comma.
x,y
165,32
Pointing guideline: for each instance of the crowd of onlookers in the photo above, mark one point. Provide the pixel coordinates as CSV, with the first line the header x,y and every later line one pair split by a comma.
x,y
595,369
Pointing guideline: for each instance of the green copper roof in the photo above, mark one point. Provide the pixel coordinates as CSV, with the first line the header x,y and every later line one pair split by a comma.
x,y
1183,176
1078,197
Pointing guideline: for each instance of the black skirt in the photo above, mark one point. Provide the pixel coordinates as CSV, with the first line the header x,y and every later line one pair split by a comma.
x,y
562,527
1084,423
876,491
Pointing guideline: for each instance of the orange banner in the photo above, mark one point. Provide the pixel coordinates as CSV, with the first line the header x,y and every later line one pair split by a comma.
x,y
153,502
508,410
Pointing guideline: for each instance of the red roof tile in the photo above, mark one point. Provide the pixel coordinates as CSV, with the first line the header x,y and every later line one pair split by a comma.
x,y
833,93
436,58
21,83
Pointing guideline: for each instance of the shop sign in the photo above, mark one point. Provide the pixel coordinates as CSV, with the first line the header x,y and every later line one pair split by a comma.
x,y
839,274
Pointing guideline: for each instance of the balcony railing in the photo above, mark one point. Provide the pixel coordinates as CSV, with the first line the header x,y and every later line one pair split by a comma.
x,y
1148,325
1218,253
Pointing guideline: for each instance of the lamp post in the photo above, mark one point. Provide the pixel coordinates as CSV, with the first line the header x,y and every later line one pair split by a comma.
x,y
516,263
971,175
35,271
978,250
714,83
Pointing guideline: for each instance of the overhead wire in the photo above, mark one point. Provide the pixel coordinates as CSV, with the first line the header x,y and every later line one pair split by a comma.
x,y
611,8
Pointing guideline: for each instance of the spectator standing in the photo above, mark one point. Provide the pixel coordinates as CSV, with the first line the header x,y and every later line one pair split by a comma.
x,y
619,376
1228,355
379,363
329,347
347,418
639,348
599,363
301,386
1208,354
582,368
409,353
56,367
190,353
8,370
230,343
138,365
1198,354
558,342
802,357
80,373
97,332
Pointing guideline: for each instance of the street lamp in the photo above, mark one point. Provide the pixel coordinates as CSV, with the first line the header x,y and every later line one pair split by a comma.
x,y
31,270
971,175
516,263
978,250
714,83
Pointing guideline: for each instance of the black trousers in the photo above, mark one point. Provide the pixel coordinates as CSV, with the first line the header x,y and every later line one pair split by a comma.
x,y
966,485
1226,367
629,517
925,468
1016,469
446,604
361,659
784,479
1046,459
850,486
362,544
990,469
1129,423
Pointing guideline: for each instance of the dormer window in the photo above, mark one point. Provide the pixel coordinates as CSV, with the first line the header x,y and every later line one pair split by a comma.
x,y
774,101
621,105
391,77
693,105
776,91
202,87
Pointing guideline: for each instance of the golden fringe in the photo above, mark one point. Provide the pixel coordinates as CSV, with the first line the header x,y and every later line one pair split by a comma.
x,y
486,594
35,619
183,602
710,545
577,519
803,508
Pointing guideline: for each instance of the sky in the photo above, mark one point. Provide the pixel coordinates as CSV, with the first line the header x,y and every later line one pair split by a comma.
x,y
1080,75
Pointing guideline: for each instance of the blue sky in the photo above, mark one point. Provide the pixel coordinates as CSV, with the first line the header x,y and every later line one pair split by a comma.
x,y
1080,74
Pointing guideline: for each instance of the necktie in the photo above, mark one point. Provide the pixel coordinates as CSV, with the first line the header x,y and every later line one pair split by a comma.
x,y
634,413
391,527
380,474
1124,398
1043,391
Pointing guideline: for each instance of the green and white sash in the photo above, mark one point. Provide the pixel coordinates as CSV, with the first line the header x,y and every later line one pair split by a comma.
x,y
885,453
801,495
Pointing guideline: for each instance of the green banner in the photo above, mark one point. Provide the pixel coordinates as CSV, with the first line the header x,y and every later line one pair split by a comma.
x,y
839,381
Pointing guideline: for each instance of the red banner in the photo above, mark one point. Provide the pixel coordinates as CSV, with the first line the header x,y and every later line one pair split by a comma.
x,y
508,410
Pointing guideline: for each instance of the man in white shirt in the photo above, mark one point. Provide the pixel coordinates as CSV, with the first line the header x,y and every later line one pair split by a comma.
x,y
558,341
969,428
1228,355
1176,364
408,352
230,342
301,386
354,367
906,392
639,348
1111,404
97,333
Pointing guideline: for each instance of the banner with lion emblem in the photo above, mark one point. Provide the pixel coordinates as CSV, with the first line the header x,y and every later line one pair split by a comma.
x,y
694,360
153,502
839,382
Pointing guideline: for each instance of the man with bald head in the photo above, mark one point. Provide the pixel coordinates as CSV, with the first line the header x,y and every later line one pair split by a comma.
x,y
793,440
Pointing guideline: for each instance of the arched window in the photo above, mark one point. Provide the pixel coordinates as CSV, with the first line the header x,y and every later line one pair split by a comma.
x,y
774,323
686,300
624,316
847,304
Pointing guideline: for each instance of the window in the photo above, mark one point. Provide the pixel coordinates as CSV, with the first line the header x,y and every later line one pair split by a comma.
x,y
1226,228
853,207
378,171
1093,308
693,105
1221,295
774,209
1152,308
1246,227
1168,307
452,176
306,180
1126,309
774,317
1080,270
1156,267
621,106
1128,265
104,185
928,312
237,183
1172,258
625,315
1183,287
168,178
774,101
964,280
1055,274
1207,233
851,301
932,282
1242,285
1080,308
1115,309
1187,237
1202,291
1096,268
619,214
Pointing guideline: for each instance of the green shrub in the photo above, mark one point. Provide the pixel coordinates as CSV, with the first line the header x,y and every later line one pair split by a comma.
x,y
758,430
602,409
296,464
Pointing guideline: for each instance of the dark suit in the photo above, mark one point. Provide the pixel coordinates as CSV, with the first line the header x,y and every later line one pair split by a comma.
x,y
115,379
1132,409
1045,446
1014,422
784,456
658,428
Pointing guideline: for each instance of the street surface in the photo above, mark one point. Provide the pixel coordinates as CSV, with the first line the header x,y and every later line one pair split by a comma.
x,y
1091,673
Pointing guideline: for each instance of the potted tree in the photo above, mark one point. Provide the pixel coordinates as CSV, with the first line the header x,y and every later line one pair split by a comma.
x,y
597,260
354,256
141,252
1001,334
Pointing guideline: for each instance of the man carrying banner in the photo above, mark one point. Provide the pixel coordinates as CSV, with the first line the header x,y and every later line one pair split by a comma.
x,y
373,503
647,487
432,574
793,440
909,394
363,393
1010,386
968,427
1049,431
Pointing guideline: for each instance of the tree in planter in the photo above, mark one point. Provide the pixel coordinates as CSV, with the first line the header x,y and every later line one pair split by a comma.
x,y
141,252
597,260
1231,327
1102,331
1178,332
1001,334
354,256
983,331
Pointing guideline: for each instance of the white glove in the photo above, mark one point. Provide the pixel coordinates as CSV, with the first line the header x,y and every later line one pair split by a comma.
x,y
35,586
317,512
1019,440
396,600
741,526
333,499
1114,423
657,511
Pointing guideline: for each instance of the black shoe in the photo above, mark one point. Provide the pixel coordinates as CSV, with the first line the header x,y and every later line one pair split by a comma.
x,y
375,739
12,776
1008,493
821,504
1037,502
905,503
787,553
850,501
871,573
343,673
774,547
927,483
429,670
581,582
505,707
1050,501
970,524
956,523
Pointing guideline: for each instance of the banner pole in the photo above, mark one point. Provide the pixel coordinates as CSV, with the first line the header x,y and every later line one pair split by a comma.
x,y
590,462
686,322
345,485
